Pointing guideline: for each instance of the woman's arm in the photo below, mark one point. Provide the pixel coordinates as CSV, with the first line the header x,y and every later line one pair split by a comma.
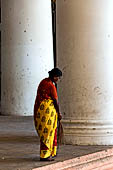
x,y
57,108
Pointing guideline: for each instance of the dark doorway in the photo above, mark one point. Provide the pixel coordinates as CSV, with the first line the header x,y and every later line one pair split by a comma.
x,y
53,6
0,56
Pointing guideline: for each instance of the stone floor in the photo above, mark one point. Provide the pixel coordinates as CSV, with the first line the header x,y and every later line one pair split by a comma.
x,y
19,145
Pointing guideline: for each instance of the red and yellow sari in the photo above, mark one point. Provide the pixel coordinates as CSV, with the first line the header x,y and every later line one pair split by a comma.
x,y
45,117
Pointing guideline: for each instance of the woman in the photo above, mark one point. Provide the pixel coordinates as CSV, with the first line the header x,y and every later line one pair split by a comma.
x,y
46,113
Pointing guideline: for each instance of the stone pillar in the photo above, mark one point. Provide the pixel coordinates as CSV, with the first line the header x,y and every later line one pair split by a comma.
x,y
27,52
85,54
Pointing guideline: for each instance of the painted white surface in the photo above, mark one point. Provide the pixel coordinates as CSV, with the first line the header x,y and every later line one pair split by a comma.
x,y
27,52
85,54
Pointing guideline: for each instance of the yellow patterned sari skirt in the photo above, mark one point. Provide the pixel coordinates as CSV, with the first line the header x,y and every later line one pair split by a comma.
x,y
46,124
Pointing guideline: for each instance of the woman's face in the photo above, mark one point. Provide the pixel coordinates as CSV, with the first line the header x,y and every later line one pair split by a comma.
x,y
55,79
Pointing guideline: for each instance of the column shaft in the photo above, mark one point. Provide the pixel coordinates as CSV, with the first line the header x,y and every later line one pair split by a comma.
x,y
85,54
27,52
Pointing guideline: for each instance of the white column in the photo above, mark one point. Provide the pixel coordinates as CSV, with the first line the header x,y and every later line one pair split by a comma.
x,y
85,54
27,52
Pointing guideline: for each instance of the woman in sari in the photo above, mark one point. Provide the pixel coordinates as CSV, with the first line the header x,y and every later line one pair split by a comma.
x,y
46,114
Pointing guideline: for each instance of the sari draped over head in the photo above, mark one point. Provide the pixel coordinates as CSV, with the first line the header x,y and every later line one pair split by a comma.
x,y
45,117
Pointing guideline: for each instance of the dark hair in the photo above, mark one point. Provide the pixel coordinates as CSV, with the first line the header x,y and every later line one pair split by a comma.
x,y
55,72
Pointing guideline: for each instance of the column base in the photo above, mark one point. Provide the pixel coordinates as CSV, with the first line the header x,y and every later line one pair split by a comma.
x,y
88,132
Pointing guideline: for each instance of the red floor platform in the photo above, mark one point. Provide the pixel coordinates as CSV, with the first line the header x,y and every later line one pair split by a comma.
x,y
102,160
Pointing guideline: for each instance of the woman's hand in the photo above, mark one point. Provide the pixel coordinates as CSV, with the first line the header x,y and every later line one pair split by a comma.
x,y
59,116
